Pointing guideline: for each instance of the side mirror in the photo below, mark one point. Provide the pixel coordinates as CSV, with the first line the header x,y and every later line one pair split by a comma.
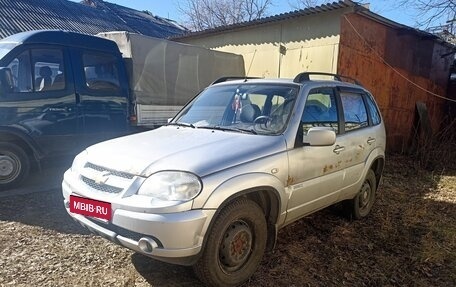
x,y
320,136
6,81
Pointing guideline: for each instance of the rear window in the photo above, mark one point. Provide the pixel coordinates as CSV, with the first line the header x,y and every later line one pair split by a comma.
x,y
375,115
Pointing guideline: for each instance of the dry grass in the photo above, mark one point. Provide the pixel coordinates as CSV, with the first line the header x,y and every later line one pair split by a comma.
x,y
409,239
439,150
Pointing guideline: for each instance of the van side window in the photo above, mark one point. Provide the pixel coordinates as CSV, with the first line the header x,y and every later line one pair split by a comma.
x,y
48,70
320,110
21,71
354,111
101,71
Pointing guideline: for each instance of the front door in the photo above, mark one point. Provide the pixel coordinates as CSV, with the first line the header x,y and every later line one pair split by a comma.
x,y
42,101
316,172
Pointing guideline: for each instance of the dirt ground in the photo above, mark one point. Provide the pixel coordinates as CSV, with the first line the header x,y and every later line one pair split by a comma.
x,y
408,240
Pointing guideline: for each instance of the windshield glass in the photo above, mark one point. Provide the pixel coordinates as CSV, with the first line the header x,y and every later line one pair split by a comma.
x,y
5,48
251,108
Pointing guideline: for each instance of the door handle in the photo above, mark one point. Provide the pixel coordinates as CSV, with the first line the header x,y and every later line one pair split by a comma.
x,y
370,140
338,149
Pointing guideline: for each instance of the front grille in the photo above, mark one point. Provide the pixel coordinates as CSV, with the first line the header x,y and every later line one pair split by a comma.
x,y
113,172
101,187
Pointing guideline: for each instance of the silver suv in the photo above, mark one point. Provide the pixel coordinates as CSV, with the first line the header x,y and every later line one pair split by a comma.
x,y
240,161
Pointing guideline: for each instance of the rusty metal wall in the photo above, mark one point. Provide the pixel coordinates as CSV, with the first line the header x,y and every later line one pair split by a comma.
x,y
417,58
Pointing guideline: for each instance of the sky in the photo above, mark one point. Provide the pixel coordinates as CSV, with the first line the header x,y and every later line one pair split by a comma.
x,y
168,9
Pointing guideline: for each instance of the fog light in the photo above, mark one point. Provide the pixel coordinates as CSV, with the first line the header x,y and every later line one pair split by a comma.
x,y
147,245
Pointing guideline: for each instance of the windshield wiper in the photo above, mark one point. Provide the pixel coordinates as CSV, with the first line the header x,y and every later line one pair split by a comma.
x,y
229,129
180,124
252,131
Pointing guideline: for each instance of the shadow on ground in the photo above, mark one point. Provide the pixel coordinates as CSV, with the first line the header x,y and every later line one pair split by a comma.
x,y
159,273
39,201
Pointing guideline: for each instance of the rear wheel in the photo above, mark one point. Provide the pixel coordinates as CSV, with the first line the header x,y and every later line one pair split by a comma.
x,y
235,245
361,205
14,165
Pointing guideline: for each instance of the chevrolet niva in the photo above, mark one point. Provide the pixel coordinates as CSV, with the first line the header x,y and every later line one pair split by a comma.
x,y
241,160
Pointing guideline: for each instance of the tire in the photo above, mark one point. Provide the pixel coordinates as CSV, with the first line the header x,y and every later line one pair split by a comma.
x,y
239,228
14,165
361,205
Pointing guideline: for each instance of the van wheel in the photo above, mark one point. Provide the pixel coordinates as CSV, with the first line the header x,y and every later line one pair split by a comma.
x,y
361,205
235,245
14,165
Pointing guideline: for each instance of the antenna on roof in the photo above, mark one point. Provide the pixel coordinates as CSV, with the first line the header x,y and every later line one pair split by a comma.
x,y
251,62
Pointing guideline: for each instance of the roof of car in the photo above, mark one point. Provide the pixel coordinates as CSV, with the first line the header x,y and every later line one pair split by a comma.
x,y
290,81
60,37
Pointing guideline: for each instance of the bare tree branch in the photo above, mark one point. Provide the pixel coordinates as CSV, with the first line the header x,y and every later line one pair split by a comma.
x,y
430,12
302,4
205,14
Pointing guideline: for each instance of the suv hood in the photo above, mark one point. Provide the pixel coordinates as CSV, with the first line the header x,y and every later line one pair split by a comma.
x,y
200,151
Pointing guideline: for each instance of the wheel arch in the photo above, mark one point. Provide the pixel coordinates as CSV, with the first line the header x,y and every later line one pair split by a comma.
x,y
268,200
268,197
11,135
377,167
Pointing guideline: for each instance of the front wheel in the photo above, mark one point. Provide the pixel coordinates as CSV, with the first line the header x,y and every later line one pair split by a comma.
x,y
235,245
361,205
14,165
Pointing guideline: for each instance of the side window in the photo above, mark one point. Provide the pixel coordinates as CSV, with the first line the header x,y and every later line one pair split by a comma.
x,y
48,68
101,71
354,111
21,71
320,110
375,115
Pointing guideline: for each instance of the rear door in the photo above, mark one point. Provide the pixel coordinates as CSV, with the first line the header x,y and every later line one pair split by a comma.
x,y
102,94
42,102
357,136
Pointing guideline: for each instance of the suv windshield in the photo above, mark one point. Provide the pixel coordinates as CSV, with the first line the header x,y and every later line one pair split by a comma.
x,y
252,108
5,48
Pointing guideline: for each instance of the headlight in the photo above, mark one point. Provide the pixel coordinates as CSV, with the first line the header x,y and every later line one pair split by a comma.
x,y
79,161
171,186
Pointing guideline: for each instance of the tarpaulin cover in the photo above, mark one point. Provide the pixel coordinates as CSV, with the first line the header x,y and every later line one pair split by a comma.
x,y
164,72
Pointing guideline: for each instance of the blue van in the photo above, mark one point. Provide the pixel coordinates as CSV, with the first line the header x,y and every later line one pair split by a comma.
x,y
59,92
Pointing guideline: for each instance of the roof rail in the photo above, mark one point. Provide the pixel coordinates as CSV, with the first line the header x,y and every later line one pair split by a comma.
x,y
301,77
231,78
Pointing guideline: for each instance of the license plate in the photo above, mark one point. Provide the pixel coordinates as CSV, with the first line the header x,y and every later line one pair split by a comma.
x,y
90,207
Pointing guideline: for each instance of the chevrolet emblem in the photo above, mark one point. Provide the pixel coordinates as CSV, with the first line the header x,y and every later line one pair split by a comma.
x,y
102,177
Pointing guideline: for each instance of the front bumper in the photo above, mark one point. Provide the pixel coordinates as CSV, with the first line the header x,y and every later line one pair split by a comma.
x,y
179,236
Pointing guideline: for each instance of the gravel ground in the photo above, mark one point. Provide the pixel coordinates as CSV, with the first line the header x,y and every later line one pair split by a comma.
x,y
409,240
